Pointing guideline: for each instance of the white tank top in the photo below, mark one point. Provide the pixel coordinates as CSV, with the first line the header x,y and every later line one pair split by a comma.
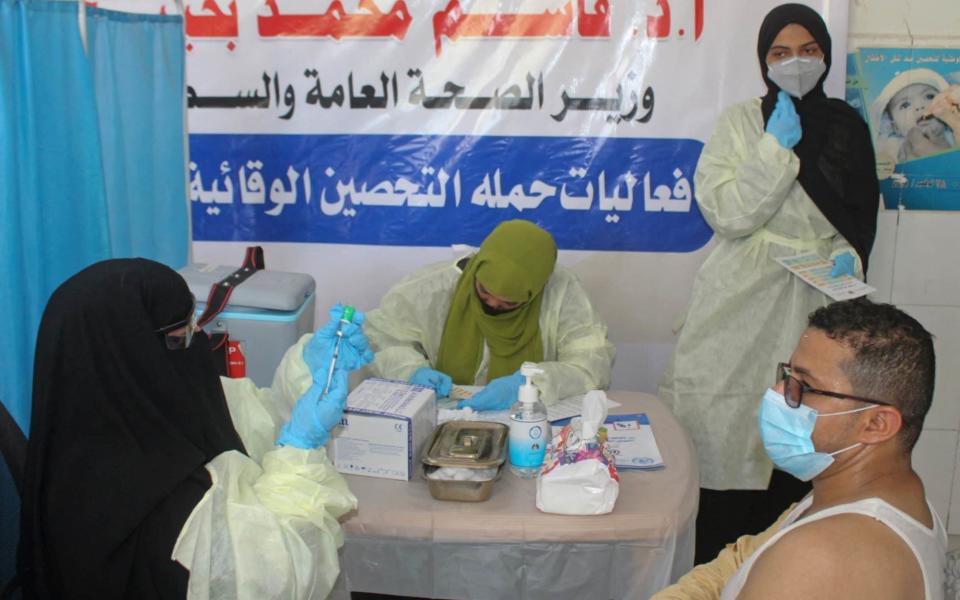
x,y
928,545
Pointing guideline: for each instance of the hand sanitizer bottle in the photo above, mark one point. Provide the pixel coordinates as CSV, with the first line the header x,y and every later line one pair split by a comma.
x,y
529,428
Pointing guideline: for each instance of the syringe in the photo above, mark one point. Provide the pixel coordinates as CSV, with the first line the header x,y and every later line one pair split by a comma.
x,y
346,317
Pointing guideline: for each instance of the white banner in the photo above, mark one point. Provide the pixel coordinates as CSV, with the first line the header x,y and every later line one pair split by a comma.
x,y
419,123
332,121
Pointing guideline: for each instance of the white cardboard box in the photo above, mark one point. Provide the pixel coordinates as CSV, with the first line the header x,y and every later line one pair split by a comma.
x,y
383,429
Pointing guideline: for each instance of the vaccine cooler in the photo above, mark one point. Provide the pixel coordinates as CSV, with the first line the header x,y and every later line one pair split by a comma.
x,y
267,313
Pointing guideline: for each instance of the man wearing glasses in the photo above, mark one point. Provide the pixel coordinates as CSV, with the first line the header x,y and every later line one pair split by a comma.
x,y
845,413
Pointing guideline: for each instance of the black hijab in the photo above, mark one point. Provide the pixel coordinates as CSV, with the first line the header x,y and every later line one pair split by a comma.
x,y
121,430
837,165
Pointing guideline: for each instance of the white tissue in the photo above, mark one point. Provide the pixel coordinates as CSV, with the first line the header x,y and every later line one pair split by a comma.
x,y
594,414
459,474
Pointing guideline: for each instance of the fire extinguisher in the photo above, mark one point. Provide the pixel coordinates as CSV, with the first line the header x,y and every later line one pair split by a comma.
x,y
236,363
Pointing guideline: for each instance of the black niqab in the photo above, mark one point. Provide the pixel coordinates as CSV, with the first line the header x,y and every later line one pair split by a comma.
x,y
121,430
837,164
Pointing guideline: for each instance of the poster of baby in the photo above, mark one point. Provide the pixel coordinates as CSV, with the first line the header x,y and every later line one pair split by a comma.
x,y
910,97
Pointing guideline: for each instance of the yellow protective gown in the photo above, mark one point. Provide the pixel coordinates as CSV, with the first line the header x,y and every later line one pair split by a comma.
x,y
706,581
405,332
746,312
267,527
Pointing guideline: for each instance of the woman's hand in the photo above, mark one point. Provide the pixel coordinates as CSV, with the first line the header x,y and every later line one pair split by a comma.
x,y
784,122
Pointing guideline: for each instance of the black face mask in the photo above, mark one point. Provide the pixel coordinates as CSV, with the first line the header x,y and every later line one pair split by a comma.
x,y
493,312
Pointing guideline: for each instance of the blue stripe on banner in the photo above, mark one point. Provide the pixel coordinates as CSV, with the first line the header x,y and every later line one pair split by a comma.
x,y
418,190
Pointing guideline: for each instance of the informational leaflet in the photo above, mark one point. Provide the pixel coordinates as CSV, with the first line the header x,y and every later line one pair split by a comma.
x,y
631,440
815,270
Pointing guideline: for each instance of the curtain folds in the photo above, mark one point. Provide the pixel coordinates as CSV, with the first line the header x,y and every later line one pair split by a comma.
x,y
92,166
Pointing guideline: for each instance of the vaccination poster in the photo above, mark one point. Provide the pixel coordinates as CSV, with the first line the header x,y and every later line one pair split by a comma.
x,y
911,99
427,122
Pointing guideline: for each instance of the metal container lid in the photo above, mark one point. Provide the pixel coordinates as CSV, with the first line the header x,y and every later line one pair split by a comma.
x,y
264,290
469,444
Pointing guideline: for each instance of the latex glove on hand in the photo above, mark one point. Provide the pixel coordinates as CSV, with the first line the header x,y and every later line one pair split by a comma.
x,y
843,264
354,347
499,394
431,378
313,417
784,122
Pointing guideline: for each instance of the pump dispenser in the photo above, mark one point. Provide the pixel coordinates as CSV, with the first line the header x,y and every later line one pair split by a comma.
x,y
529,428
529,393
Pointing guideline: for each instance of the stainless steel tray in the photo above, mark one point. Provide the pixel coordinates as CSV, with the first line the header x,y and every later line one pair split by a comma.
x,y
465,445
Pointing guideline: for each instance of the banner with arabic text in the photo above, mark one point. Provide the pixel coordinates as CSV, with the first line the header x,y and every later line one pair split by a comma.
x,y
427,122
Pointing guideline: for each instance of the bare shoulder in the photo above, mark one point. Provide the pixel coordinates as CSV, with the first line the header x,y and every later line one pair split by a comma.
x,y
842,556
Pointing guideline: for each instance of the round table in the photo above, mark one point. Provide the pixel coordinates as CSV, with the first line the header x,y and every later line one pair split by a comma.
x,y
401,541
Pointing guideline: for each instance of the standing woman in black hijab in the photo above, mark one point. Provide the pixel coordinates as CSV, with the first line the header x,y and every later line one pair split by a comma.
x,y
148,478
786,174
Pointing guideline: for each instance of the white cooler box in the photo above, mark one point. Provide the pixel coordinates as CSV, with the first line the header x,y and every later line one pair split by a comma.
x,y
267,313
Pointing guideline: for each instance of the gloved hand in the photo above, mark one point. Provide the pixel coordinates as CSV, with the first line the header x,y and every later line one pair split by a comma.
x,y
498,395
784,123
431,378
354,349
313,417
843,264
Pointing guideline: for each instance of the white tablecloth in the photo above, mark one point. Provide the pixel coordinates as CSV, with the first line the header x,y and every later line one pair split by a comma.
x,y
401,541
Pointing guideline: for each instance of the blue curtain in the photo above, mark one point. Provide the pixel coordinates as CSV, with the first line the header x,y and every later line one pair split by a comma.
x,y
138,71
91,167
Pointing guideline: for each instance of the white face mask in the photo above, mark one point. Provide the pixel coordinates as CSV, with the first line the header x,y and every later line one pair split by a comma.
x,y
797,76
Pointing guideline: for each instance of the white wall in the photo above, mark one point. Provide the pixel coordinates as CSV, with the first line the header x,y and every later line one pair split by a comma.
x,y
914,262
641,295
639,298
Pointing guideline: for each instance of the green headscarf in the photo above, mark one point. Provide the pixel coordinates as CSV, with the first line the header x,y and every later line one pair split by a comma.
x,y
514,263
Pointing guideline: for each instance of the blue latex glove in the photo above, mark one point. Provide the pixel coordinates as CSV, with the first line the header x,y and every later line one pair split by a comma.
x,y
313,419
843,264
784,122
431,378
354,349
498,395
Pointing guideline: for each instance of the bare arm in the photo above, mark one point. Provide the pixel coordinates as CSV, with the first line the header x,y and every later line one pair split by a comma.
x,y
847,556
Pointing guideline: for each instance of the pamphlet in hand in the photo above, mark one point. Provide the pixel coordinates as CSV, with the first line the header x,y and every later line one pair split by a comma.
x,y
815,270
631,440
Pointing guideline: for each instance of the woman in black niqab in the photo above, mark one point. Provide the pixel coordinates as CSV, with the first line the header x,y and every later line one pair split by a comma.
x,y
837,163
121,430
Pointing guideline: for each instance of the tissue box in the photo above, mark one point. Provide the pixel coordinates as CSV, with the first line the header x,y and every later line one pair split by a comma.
x,y
578,476
384,428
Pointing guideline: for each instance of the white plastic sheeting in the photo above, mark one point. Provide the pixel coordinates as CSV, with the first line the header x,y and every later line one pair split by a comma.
x,y
401,541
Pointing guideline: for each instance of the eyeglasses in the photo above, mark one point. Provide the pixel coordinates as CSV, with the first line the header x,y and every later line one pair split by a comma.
x,y
178,336
793,389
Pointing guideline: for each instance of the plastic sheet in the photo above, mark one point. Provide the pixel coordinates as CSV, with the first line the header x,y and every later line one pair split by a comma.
x,y
403,542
